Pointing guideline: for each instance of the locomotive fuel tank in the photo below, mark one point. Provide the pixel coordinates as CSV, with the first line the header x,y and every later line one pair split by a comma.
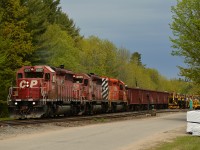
x,y
119,107
97,108
65,109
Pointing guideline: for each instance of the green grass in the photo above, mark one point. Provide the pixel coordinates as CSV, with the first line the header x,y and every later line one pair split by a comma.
x,y
100,120
181,143
2,119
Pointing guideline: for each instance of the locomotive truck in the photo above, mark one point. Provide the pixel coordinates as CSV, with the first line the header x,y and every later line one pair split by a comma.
x,y
45,91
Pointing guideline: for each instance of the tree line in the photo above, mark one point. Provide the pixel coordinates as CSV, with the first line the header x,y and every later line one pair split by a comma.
x,y
35,32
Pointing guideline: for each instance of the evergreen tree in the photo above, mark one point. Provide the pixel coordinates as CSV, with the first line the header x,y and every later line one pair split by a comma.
x,y
69,26
37,16
52,9
136,59
37,19
41,15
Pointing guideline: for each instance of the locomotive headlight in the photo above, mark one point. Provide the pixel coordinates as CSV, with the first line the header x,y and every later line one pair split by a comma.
x,y
33,103
27,84
15,103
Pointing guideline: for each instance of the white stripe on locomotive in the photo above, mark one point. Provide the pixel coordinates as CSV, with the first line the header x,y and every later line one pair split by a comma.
x,y
105,88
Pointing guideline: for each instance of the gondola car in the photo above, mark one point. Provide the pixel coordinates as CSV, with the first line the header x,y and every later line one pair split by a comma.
x,y
143,99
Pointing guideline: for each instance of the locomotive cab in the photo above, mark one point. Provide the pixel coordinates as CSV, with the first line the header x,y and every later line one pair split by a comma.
x,y
32,84
117,95
81,86
117,90
88,89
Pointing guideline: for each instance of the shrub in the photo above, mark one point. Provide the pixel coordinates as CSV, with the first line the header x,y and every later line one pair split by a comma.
x,y
3,109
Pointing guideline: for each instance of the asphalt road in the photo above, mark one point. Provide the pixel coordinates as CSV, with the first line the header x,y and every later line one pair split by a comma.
x,y
107,136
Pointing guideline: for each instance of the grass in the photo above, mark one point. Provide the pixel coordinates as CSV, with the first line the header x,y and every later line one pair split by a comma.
x,y
181,143
3,119
100,120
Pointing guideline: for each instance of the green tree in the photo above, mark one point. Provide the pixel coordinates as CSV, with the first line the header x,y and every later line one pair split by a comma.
x,y
52,9
99,56
41,14
68,25
13,32
136,58
186,39
155,77
16,41
60,49
123,57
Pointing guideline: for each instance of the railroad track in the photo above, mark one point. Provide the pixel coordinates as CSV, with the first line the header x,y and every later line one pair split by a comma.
x,y
82,118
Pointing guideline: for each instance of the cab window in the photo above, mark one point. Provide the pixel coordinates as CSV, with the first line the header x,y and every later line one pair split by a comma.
x,y
86,82
34,74
69,77
78,80
121,87
47,76
19,75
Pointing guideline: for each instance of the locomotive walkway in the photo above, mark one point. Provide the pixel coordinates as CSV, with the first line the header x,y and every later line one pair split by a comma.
x,y
123,135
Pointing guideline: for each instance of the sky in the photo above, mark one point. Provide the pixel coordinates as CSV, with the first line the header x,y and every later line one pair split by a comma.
x,y
137,25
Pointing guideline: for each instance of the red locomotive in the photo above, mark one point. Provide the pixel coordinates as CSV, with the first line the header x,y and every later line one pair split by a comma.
x,y
41,90
50,91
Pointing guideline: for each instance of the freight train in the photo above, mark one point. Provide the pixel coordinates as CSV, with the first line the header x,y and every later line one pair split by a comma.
x,y
45,91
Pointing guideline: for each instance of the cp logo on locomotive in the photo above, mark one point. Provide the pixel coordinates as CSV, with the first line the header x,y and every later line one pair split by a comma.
x,y
24,83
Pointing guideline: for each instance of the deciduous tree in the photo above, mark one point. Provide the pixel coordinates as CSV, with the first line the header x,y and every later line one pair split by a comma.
x,y
16,46
186,39
59,48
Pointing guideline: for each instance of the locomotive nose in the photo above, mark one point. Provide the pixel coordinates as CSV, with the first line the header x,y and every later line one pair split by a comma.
x,y
29,89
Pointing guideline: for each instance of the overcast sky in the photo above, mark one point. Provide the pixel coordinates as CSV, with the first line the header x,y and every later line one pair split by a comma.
x,y
137,25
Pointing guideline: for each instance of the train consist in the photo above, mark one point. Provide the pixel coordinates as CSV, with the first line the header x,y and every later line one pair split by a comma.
x,y
44,91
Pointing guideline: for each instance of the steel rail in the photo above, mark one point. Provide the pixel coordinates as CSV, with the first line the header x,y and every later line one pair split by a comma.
x,y
85,118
